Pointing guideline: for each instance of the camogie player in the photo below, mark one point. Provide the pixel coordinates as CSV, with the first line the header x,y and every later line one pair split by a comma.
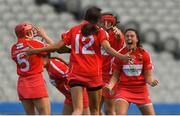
x,y
133,78
58,70
116,39
31,86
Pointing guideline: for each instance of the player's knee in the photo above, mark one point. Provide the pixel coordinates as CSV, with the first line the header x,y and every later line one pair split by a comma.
x,y
44,111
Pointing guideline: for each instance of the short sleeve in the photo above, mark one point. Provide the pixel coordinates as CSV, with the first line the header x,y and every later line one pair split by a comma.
x,y
38,44
66,37
102,35
13,52
147,62
122,44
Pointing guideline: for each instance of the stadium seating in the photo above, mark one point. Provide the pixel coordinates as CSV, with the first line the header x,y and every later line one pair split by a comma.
x,y
161,16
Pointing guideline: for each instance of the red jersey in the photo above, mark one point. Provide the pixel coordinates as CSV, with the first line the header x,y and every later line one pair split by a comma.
x,y
107,58
27,65
58,72
85,58
133,74
57,69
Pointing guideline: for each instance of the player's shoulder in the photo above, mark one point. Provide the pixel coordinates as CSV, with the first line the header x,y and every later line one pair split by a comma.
x,y
13,45
78,26
17,45
102,31
143,50
74,29
123,50
36,41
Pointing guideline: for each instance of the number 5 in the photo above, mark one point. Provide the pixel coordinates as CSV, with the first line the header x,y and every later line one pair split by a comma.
x,y
23,60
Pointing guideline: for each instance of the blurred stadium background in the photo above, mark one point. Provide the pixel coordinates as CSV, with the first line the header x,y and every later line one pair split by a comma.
x,y
157,20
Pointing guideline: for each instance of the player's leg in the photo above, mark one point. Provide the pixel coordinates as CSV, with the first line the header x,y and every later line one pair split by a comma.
x,y
101,112
86,111
146,109
42,105
67,109
77,99
109,106
121,106
28,107
94,100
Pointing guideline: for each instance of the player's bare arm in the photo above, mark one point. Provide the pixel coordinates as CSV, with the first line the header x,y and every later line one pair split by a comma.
x,y
114,79
50,48
118,33
105,44
64,49
150,79
41,33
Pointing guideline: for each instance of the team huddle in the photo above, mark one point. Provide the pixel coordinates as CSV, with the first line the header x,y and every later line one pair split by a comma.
x,y
106,66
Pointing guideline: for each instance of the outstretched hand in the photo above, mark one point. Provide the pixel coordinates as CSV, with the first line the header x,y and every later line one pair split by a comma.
x,y
128,57
108,89
153,82
29,50
116,30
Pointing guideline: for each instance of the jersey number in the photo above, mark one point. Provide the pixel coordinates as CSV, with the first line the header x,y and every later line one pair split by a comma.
x,y
22,60
86,46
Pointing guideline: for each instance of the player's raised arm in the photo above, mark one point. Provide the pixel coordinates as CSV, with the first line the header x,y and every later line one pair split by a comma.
x,y
105,44
41,33
113,81
51,48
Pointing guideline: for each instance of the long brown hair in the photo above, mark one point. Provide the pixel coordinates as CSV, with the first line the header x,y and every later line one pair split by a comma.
x,y
137,35
92,15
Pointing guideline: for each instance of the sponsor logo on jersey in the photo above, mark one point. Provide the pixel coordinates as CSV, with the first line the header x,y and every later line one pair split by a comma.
x,y
19,46
133,70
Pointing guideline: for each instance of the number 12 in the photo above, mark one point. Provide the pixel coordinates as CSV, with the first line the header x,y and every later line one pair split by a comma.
x,y
86,46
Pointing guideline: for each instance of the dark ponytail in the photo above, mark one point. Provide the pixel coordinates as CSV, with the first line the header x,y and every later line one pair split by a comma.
x,y
88,29
92,15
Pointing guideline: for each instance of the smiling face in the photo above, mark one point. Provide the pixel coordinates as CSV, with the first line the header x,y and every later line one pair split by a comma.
x,y
131,39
